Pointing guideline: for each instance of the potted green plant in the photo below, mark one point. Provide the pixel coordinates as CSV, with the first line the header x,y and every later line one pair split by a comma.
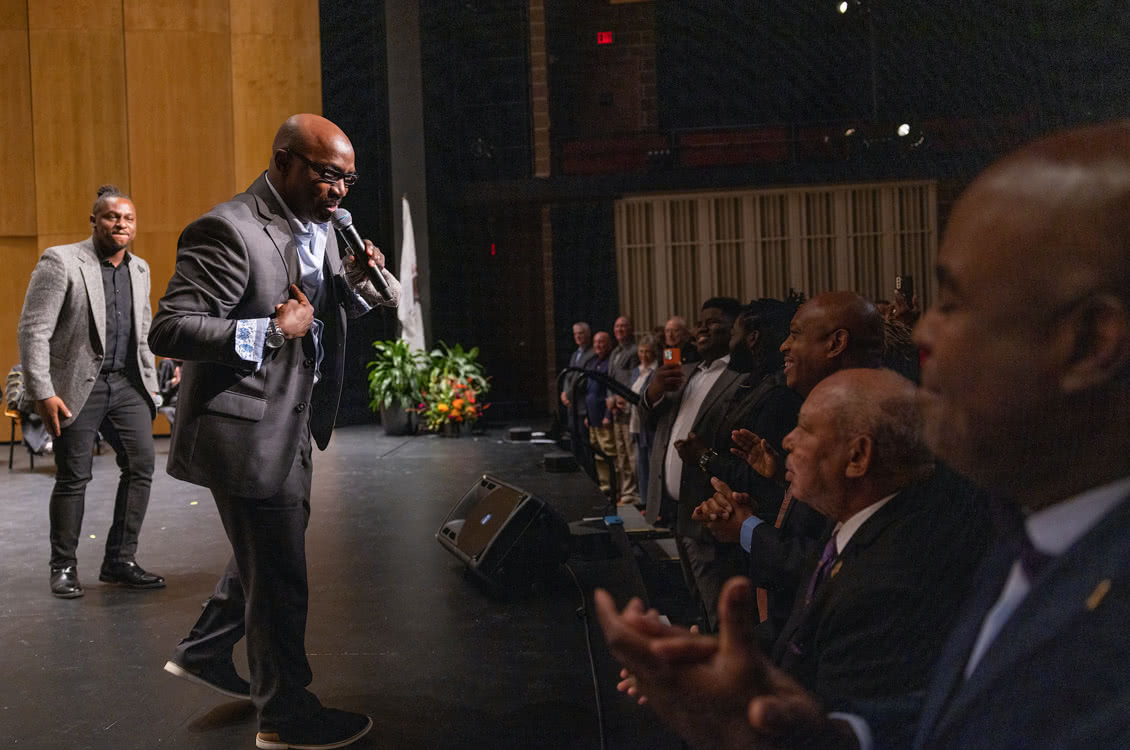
x,y
451,398
396,375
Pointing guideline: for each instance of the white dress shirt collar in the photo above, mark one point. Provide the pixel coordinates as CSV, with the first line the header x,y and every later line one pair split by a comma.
x,y
846,530
1054,529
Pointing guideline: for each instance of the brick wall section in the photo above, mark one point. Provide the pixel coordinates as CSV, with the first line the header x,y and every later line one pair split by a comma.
x,y
550,322
633,29
539,90
582,69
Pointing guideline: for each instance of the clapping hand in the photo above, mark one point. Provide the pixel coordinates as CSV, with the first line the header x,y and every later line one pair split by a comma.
x,y
724,513
717,692
691,449
757,452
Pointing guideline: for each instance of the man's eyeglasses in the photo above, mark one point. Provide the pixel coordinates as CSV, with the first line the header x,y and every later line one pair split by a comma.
x,y
326,173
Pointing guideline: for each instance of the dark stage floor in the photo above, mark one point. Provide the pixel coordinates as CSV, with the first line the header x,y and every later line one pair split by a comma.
x,y
395,630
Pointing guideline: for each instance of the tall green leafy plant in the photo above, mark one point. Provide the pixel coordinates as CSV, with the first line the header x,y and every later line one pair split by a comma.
x,y
396,375
455,363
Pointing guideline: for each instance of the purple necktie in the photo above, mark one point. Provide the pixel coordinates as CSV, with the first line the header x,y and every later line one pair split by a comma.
x,y
822,567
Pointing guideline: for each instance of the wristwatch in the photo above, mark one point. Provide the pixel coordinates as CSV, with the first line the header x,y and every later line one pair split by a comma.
x,y
704,461
274,338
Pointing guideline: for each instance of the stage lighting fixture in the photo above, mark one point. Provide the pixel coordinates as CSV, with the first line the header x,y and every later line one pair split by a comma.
x,y
843,7
849,132
903,130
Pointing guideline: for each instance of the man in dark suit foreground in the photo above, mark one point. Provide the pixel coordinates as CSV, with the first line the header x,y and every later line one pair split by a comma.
x,y
1026,388
257,310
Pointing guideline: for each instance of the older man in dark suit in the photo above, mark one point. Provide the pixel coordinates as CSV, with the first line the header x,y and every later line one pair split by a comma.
x,y
1026,388
257,310
904,539
88,368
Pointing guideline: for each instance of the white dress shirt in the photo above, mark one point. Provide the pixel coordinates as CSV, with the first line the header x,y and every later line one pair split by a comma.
x,y
701,380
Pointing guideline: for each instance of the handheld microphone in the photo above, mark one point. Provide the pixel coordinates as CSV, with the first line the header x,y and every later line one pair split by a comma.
x,y
343,223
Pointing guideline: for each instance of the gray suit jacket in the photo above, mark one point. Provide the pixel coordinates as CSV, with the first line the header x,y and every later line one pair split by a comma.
x,y
62,330
237,427
694,487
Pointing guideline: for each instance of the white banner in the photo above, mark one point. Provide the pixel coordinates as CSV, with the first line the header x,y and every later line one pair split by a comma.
x,y
409,312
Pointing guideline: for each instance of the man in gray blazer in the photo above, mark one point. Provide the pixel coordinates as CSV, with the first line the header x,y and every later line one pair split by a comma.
x,y
679,400
87,365
257,311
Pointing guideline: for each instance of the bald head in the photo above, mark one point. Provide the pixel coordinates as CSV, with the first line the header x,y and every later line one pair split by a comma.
x,y
311,161
884,405
830,332
1026,375
1074,190
859,438
309,132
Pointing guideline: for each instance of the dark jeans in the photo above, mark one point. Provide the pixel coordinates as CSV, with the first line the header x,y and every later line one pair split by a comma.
x,y
119,409
263,595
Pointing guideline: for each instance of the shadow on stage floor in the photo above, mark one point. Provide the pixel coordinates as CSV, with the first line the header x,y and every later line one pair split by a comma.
x,y
395,629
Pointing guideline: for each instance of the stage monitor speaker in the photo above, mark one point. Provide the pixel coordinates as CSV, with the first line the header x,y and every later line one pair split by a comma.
x,y
507,537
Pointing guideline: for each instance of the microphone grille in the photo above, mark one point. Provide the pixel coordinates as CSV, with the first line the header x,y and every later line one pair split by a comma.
x,y
342,219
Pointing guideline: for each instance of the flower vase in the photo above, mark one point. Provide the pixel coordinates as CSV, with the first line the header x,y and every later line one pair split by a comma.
x,y
455,429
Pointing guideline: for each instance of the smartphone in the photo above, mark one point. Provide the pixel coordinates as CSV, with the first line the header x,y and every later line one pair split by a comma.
x,y
904,285
672,355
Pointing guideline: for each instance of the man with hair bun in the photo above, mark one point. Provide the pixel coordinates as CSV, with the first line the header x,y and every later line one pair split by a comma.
x,y
83,384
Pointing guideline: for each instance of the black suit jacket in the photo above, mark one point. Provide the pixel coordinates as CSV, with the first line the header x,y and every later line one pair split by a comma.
x,y
870,637
1057,676
237,428
694,485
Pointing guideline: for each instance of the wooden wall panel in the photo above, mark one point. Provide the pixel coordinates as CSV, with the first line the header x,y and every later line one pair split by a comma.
x,y
287,19
276,72
17,146
159,250
179,96
175,101
176,15
79,114
51,15
20,255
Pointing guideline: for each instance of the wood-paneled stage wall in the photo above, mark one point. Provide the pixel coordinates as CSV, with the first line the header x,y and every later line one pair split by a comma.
x,y
175,101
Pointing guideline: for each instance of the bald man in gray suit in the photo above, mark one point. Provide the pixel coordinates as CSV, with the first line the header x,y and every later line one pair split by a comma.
x,y
257,310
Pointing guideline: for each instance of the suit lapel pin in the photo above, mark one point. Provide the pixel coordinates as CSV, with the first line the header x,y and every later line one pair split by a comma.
x,y
1097,596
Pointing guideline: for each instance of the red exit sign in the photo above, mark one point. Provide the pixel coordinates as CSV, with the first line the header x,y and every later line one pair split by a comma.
x,y
604,37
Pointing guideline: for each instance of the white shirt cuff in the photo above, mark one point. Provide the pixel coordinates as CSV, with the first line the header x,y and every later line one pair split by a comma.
x,y
859,728
250,336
